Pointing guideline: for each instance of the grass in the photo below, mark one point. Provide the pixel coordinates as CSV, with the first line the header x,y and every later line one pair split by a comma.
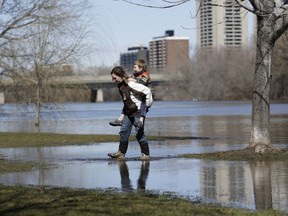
x,y
42,200
19,200
242,155
30,139
20,166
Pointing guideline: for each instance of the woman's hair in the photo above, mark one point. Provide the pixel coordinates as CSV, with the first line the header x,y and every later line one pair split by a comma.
x,y
119,71
141,64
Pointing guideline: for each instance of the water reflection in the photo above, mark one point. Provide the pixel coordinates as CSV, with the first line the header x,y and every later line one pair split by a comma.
x,y
125,179
143,175
226,182
253,184
270,187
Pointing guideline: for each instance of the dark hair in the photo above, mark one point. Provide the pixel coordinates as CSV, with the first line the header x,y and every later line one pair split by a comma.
x,y
119,71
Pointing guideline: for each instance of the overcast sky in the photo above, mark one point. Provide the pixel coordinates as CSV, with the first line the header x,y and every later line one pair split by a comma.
x,y
119,25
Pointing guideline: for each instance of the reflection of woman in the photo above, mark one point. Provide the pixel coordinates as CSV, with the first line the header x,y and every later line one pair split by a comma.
x,y
125,180
132,94
124,173
143,175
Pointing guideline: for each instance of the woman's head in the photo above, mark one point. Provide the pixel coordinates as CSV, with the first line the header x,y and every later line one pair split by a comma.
x,y
118,74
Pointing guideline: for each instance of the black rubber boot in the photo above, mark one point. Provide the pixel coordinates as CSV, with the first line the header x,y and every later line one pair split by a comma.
x,y
144,148
123,146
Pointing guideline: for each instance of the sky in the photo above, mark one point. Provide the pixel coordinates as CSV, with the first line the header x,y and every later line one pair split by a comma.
x,y
118,25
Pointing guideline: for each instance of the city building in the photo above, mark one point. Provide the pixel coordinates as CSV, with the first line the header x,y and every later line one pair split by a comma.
x,y
168,52
225,25
128,58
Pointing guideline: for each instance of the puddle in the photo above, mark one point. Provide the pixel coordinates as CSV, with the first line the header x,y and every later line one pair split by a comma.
x,y
237,184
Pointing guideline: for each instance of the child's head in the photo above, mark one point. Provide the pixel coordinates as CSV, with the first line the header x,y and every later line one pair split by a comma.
x,y
139,65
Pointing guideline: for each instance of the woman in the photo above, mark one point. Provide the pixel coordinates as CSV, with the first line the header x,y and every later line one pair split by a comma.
x,y
132,94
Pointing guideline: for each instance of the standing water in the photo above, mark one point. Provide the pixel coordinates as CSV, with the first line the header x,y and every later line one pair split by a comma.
x,y
207,126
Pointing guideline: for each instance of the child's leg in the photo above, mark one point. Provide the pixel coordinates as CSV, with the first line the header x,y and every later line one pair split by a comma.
x,y
143,109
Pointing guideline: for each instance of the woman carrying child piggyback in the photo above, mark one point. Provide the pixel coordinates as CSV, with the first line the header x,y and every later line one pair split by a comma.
x,y
132,94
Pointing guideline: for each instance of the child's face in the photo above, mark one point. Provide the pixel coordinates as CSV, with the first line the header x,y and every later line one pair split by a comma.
x,y
136,68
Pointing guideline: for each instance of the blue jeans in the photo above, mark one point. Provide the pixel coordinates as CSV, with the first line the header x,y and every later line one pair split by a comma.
x,y
125,132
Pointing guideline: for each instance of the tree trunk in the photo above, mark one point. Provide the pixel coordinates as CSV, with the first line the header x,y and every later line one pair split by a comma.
x,y
260,135
37,107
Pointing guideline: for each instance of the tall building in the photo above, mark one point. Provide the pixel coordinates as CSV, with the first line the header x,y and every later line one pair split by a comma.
x,y
221,26
168,51
128,58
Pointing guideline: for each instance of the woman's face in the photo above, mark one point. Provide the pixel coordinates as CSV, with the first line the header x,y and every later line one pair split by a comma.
x,y
115,78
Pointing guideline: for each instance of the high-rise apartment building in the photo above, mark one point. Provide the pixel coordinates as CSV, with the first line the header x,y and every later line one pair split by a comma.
x,y
168,51
225,25
128,58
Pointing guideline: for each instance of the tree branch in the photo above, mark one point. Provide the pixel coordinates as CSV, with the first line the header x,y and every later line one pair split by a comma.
x,y
14,23
245,6
173,4
282,25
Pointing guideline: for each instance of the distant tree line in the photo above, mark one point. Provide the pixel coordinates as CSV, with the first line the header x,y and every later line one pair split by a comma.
x,y
224,74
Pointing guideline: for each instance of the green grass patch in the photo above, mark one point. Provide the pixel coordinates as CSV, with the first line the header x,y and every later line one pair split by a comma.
x,y
19,200
37,139
19,166
33,139
246,154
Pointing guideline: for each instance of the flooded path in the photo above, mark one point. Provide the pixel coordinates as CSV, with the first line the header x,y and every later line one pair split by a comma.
x,y
259,185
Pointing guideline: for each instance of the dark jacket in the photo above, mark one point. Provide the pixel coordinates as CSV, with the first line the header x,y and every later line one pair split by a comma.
x,y
132,95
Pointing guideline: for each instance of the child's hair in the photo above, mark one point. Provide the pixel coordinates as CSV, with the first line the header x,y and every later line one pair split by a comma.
x,y
141,64
119,71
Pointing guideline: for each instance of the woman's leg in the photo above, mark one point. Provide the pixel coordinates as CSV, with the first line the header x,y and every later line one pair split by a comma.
x,y
142,140
124,133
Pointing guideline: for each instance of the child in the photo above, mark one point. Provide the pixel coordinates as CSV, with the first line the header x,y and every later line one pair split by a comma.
x,y
141,76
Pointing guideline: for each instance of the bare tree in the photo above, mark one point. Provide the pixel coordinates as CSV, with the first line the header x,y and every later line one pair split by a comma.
x,y
36,39
272,22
